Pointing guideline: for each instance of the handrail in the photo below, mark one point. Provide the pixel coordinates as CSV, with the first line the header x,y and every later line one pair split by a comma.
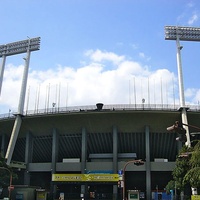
x,y
110,107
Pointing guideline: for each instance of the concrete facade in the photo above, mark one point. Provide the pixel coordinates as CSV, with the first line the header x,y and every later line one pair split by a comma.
x,y
48,138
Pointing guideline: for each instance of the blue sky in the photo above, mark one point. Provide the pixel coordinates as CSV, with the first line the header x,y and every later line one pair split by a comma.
x,y
99,50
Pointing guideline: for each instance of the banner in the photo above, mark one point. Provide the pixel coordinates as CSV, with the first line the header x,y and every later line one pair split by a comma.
x,y
195,197
85,177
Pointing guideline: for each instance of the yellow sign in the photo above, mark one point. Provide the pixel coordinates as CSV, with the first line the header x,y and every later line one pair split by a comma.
x,y
41,195
195,197
86,177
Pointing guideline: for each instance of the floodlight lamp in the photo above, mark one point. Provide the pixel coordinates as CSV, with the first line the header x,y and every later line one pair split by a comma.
x,y
182,33
177,127
139,162
13,48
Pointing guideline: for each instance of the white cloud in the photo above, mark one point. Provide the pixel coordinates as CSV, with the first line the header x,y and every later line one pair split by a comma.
x,y
189,16
143,56
193,19
100,56
193,94
89,84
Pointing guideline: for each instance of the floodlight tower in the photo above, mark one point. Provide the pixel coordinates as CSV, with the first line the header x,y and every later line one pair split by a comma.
x,y
184,34
14,48
24,46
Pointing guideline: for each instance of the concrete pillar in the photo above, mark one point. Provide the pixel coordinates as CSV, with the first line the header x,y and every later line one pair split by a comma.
x,y
83,161
115,160
28,157
2,71
148,164
13,138
4,144
55,148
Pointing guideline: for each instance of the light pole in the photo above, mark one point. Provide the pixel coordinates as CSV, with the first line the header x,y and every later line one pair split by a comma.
x,y
10,172
185,34
136,162
24,46
178,128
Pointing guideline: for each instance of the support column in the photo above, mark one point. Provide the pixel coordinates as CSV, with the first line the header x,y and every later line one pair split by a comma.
x,y
4,143
115,160
18,119
181,91
55,148
83,161
148,164
13,138
28,157
2,71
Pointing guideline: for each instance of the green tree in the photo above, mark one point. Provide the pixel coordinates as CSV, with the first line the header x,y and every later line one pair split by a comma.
x,y
182,167
193,175
187,168
5,173
170,186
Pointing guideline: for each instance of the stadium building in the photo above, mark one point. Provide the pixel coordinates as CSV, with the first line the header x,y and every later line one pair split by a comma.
x,y
81,152
93,152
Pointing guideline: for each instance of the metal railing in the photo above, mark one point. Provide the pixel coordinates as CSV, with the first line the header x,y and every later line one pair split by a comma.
x,y
106,108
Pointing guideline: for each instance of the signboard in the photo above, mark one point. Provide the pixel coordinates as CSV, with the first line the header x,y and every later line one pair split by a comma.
x,y
41,195
133,196
85,177
195,197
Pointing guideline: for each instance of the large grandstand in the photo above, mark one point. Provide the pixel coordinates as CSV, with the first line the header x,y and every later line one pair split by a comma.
x,y
88,140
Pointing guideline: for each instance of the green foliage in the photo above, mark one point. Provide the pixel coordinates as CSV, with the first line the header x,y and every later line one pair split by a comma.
x,y
193,174
195,159
193,177
197,145
181,168
170,186
187,168
5,172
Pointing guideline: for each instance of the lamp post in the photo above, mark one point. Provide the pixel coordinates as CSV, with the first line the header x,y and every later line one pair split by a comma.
x,y
24,46
178,128
185,34
10,183
136,162
178,124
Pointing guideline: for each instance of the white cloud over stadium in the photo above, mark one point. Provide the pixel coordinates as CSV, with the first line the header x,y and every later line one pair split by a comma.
x,y
105,77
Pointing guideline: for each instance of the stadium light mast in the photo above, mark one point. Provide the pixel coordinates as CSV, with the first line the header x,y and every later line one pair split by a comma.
x,y
24,46
2,70
179,33
16,48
